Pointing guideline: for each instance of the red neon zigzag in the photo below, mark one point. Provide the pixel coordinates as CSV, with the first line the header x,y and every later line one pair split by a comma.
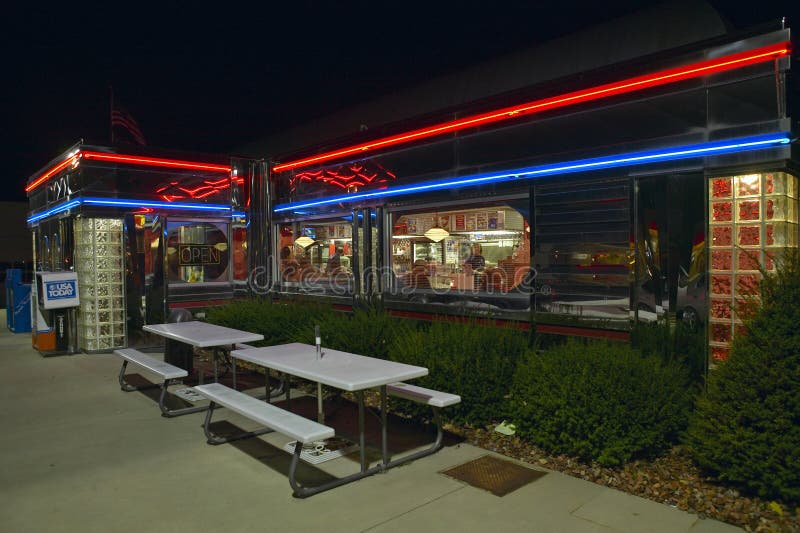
x,y
333,177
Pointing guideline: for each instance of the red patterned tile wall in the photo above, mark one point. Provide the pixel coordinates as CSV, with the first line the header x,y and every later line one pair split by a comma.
x,y
752,219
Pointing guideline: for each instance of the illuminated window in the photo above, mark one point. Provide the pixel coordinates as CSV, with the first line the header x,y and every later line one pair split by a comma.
x,y
316,257
452,256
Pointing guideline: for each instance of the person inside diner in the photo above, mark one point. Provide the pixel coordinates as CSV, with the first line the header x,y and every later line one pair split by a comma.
x,y
475,260
307,271
335,261
474,266
290,269
417,277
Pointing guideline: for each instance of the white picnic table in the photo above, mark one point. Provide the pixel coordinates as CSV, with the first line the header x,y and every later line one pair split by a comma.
x,y
342,370
204,335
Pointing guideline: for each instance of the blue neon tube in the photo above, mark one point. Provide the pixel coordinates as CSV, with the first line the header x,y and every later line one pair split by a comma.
x,y
54,210
566,167
122,202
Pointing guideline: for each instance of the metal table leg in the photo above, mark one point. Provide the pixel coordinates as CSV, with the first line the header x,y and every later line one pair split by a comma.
x,y
361,437
288,391
384,437
162,398
233,371
127,387
215,354
305,492
436,446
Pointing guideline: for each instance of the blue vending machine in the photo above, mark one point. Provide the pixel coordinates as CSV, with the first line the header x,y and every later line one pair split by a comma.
x,y
18,302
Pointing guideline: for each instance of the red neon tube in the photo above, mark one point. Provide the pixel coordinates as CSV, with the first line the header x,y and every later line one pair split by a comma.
x,y
128,160
55,170
655,79
155,162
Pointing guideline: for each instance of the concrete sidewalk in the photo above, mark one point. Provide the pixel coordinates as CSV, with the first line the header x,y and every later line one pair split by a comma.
x,y
78,454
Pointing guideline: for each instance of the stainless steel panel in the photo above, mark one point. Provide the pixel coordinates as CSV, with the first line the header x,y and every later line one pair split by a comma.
x,y
582,253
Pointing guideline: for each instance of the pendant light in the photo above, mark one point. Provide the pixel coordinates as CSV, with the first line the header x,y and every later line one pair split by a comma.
x,y
304,241
437,233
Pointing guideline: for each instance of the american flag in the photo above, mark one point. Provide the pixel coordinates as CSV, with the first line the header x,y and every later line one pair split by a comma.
x,y
123,120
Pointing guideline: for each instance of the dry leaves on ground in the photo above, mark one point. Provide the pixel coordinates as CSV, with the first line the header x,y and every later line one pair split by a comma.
x,y
672,479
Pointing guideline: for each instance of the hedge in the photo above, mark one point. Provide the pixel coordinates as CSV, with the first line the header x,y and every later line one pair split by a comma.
x,y
746,428
599,401
466,358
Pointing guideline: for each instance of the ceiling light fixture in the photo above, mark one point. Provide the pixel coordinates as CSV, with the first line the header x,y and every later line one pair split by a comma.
x,y
304,241
437,234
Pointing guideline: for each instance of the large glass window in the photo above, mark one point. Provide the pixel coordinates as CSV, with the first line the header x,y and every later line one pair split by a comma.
x,y
239,240
316,256
670,261
476,256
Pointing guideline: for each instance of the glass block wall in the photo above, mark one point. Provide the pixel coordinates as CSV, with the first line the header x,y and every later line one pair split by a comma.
x,y
100,267
752,219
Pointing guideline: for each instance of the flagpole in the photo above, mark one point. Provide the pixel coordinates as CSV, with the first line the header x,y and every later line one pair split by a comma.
x,y
111,112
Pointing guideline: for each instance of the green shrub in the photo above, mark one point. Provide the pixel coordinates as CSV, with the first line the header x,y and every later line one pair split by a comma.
x,y
367,330
681,342
278,321
543,341
599,400
746,428
475,361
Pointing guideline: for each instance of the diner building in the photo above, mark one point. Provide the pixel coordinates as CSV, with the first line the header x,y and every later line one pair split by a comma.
x,y
644,169
123,234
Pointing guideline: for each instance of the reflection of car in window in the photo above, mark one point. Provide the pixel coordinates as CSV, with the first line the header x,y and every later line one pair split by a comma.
x,y
691,301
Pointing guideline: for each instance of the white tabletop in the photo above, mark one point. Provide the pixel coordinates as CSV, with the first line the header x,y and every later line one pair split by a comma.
x,y
342,370
202,334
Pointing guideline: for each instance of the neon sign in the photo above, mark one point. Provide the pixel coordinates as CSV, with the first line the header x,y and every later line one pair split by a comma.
x,y
629,85
135,204
73,158
349,176
554,169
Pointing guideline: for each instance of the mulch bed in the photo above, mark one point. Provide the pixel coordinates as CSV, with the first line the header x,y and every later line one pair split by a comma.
x,y
672,479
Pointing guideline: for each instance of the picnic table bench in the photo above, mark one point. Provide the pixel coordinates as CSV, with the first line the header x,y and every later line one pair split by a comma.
x,y
436,400
302,430
163,370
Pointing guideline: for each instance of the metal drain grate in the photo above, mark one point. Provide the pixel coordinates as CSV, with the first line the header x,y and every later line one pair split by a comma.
x,y
495,475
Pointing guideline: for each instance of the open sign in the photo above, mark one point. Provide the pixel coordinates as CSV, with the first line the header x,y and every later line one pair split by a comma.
x,y
200,254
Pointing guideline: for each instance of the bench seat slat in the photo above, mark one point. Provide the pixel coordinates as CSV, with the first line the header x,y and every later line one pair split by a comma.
x,y
282,421
422,395
163,369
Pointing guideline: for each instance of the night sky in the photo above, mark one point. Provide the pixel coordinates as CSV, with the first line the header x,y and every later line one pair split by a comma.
x,y
215,79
